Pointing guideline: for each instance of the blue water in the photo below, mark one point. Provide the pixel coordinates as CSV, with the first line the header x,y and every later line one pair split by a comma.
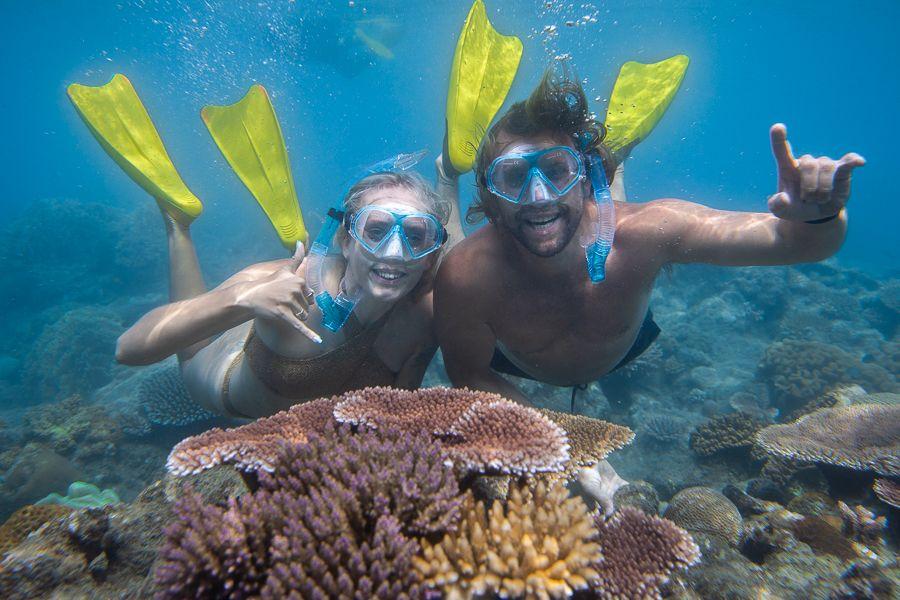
x,y
825,70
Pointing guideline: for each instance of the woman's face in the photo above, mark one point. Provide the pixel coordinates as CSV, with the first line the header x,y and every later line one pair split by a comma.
x,y
391,275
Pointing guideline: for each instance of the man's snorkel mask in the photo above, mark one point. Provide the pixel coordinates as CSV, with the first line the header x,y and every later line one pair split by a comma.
x,y
548,174
336,310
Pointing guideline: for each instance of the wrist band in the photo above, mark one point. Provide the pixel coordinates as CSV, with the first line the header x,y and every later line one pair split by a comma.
x,y
823,220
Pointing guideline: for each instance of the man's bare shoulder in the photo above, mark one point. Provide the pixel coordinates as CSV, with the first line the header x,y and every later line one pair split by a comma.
x,y
472,264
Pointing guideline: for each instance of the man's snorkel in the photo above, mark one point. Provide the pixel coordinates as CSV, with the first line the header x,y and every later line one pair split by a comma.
x,y
598,243
336,310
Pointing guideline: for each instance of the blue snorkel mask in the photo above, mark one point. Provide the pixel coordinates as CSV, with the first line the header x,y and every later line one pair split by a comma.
x,y
548,174
336,310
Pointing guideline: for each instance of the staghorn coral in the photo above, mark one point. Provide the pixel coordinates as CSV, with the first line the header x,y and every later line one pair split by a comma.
x,y
888,491
701,509
25,520
538,546
590,440
640,552
865,437
729,432
860,524
473,426
664,429
336,517
504,437
253,446
166,401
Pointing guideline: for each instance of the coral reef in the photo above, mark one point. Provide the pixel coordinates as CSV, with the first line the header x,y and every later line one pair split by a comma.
x,y
861,524
35,472
333,519
729,432
25,520
166,401
472,426
253,446
73,354
888,491
640,552
664,429
538,546
861,436
73,427
81,495
703,510
637,494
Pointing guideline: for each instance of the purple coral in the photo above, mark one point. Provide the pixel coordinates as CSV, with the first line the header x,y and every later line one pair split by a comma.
x,y
335,518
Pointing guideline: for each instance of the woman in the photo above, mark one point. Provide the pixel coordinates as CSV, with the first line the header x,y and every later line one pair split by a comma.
x,y
260,342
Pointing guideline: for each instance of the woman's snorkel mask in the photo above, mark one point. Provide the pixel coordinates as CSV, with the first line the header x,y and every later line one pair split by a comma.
x,y
550,173
378,231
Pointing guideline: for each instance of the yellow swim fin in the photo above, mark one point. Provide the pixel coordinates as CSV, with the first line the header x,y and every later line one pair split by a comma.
x,y
117,118
248,134
640,97
484,66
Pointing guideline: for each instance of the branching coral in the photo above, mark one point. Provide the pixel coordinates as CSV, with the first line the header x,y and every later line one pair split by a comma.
x,y
539,546
861,436
166,401
733,431
335,518
640,552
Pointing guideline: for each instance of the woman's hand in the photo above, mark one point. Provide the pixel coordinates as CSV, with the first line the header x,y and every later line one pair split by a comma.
x,y
281,296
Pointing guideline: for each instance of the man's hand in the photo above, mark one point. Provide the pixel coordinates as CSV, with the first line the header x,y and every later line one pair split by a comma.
x,y
283,295
809,188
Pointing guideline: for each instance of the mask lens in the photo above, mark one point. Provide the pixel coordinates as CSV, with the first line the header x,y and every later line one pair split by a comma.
x,y
421,233
559,167
510,174
373,226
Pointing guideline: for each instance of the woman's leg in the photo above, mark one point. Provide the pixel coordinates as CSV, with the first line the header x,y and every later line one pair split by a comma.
x,y
185,279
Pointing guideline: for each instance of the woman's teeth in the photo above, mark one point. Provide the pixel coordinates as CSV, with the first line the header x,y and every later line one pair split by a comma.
x,y
389,274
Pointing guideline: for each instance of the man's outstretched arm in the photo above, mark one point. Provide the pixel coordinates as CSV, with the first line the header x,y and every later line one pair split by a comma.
x,y
807,222
466,340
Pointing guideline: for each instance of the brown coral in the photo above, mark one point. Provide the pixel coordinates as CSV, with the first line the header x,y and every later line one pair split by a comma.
x,y
704,510
865,437
25,520
590,440
432,409
252,446
539,546
640,552
733,431
888,491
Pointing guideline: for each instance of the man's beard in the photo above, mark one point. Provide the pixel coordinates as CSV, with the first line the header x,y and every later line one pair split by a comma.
x,y
525,233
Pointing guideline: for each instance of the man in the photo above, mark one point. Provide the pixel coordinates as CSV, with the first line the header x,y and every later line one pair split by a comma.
x,y
518,297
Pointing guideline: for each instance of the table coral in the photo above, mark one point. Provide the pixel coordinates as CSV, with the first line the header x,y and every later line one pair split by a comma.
x,y
865,437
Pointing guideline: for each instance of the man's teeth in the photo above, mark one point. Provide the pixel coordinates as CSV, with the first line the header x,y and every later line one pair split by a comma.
x,y
542,222
389,275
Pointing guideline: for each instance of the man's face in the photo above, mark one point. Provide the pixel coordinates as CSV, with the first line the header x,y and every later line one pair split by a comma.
x,y
545,225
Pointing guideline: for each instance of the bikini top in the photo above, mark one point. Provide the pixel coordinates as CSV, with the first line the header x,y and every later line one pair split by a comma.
x,y
352,365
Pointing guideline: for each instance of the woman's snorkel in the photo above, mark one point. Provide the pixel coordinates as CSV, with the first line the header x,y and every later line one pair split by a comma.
x,y
337,310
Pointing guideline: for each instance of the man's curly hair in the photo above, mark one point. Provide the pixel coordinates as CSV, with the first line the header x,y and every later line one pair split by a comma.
x,y
557,106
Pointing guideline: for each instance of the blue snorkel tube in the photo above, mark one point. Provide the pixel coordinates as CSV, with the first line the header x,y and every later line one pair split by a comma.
x,y
336,311
599,243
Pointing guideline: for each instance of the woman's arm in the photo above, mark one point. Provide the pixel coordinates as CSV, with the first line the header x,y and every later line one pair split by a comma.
x,y
273,290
